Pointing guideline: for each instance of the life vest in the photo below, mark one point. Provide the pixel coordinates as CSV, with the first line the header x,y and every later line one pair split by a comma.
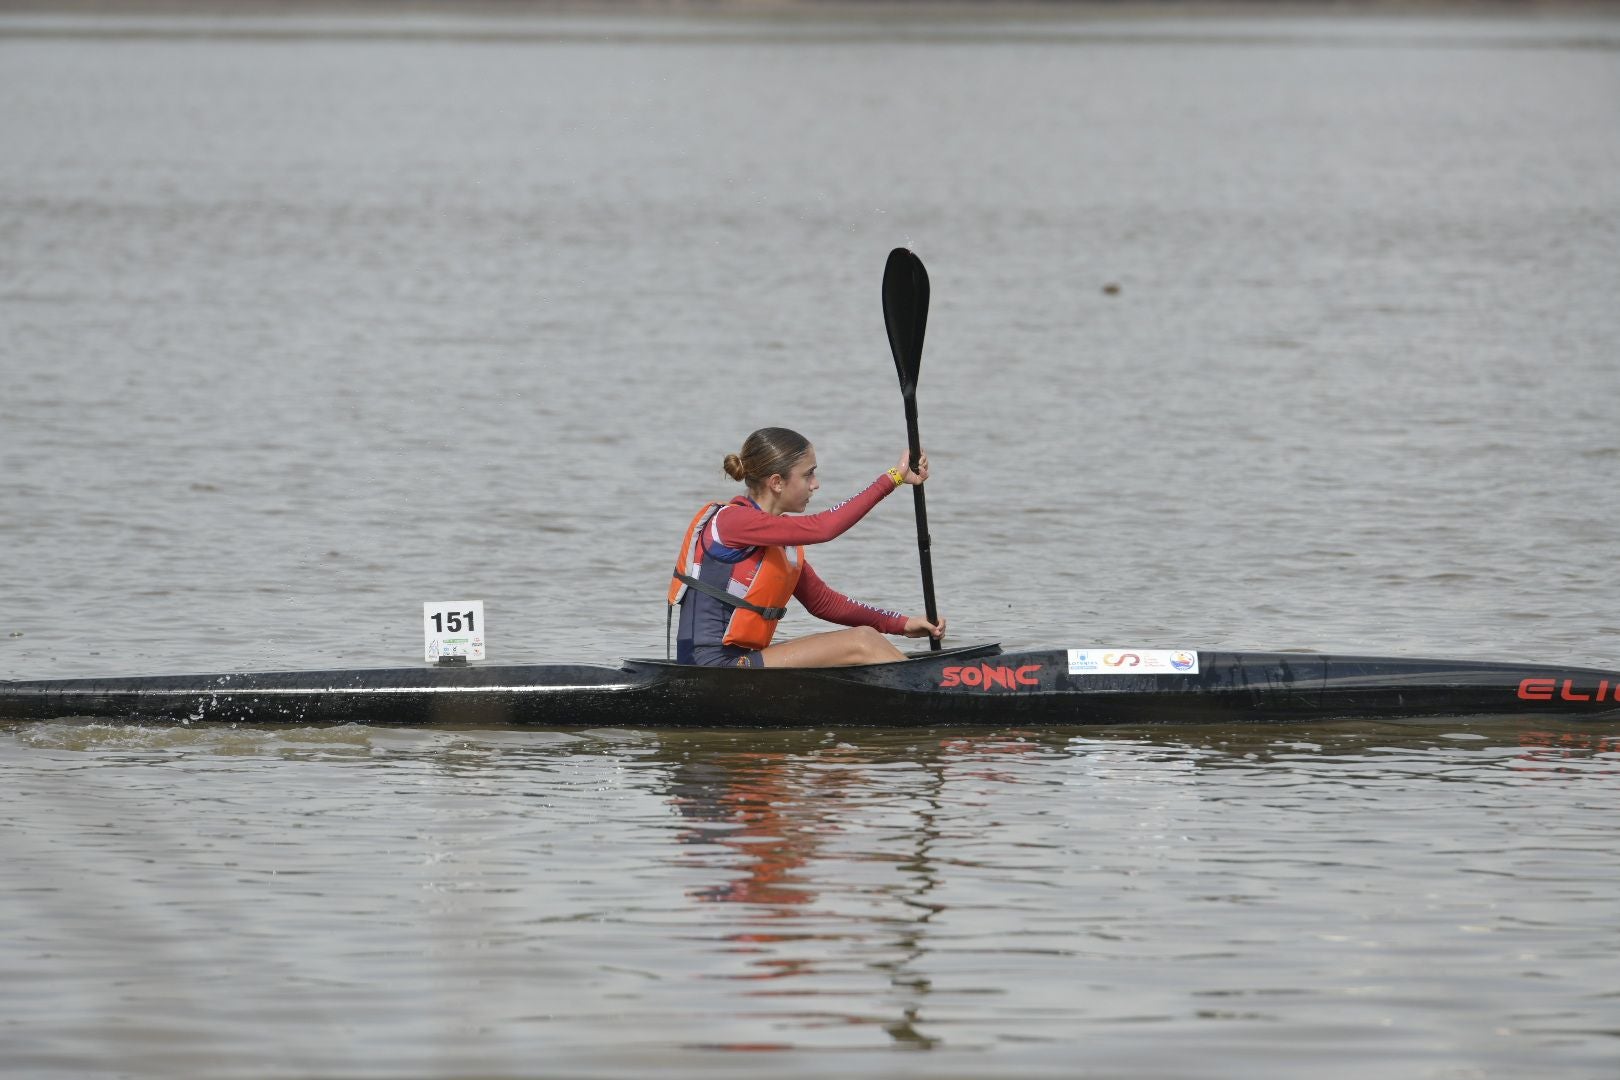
x,y
758,589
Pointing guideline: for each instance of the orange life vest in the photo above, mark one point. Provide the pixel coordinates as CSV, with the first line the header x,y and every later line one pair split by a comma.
x,y
758,590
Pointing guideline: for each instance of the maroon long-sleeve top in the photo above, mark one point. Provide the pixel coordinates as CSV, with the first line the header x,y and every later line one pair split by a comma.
x,y
742,524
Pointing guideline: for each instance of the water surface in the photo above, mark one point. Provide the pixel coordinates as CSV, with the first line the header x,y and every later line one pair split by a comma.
x,y
1285,332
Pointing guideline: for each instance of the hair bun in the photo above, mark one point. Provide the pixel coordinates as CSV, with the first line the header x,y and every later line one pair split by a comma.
x,y
734,467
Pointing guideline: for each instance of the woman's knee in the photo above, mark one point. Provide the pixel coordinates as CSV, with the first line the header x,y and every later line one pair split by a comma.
x,y
874,645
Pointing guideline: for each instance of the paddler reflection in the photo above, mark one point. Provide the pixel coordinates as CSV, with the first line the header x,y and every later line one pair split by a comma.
x,y
767,839
827,856
777,811
740,562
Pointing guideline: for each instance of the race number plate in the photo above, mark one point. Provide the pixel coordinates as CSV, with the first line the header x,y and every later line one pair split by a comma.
x,y
453,628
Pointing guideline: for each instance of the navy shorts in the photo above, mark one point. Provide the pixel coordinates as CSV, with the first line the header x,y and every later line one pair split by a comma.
x,y
726,656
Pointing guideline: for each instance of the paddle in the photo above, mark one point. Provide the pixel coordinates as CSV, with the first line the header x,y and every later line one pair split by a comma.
x,y
905,313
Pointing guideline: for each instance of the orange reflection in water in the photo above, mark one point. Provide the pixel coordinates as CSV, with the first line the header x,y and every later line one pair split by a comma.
x,y
763,818
1542,748
781,810
761,796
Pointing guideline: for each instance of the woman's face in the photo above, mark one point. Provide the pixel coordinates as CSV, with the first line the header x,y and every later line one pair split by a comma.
x,y
799,484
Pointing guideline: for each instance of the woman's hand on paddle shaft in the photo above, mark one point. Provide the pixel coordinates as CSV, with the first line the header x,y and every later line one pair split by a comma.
x,y
917,626
921,472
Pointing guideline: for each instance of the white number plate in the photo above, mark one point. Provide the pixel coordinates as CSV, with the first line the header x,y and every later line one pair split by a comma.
x,y
453,628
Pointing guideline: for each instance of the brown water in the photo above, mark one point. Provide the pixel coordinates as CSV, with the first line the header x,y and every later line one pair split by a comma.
x,y
358,902
305,320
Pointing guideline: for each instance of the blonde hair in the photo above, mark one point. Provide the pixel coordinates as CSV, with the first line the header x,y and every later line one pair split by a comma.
x,y
766,453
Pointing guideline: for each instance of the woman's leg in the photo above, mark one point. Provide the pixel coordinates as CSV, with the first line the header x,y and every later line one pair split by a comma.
x,y
835,648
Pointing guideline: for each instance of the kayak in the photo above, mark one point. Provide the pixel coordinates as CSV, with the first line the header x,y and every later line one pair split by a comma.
x,y
978,685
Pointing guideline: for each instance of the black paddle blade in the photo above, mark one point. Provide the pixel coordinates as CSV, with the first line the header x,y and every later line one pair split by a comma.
x,y
905,313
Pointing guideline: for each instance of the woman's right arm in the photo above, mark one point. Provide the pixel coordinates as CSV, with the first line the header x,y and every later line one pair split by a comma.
x,y
744,526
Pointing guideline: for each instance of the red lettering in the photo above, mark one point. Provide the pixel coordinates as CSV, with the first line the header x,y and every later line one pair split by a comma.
x,y
1535,689
988,676
1569,694
1542,690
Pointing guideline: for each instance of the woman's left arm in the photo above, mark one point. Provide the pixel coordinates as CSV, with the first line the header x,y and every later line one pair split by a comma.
x,y
825,602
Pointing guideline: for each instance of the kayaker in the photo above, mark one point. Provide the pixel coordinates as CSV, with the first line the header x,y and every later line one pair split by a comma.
x,y
741,560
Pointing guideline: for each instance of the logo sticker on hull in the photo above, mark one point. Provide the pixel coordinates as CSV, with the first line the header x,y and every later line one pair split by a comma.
x,y
1122,661
988,676
1549,690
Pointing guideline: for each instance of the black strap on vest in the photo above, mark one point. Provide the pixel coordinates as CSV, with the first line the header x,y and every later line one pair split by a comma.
x,y
771,614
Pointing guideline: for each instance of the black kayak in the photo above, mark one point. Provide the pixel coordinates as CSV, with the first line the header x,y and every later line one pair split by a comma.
x,y
981,685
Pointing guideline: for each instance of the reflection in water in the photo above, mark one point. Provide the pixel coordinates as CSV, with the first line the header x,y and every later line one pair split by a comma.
x,y
1069,855
833,855
764,818
768,838
1570,751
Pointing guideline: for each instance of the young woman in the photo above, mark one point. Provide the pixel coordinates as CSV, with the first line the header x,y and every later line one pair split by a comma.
x,y
741,561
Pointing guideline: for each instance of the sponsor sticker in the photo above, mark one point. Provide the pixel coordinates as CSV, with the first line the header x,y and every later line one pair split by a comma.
x,y
1117,660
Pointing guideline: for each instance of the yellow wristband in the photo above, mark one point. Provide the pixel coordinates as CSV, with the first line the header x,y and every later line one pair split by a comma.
x,y
897,476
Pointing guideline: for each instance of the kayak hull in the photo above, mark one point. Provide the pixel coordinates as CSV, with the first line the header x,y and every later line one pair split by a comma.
x,y
980,685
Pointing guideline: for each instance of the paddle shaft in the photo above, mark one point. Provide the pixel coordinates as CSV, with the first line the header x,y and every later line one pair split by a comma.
x,y
921,503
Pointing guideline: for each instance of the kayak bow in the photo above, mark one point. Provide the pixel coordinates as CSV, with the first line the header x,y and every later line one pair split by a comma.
x,y
978,685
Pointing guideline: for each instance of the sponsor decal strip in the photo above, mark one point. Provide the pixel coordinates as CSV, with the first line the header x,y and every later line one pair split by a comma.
x,y
1118,660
